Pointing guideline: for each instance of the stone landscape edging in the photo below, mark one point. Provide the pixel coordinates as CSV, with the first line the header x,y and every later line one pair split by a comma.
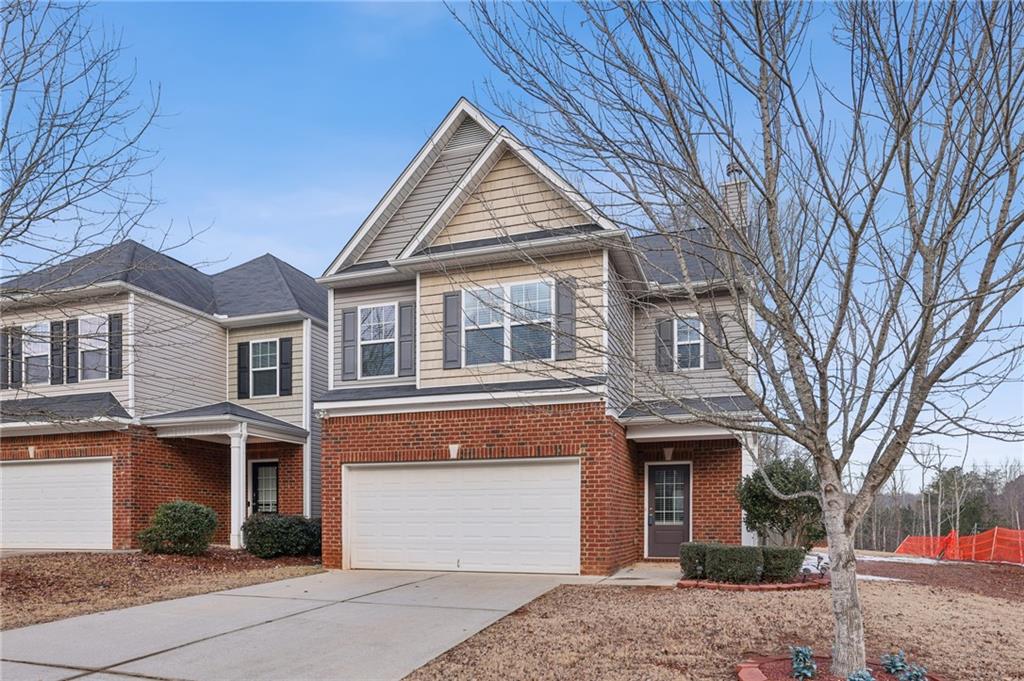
x,y
725,586
750,670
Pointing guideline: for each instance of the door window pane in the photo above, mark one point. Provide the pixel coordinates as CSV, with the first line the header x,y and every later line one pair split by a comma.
x,y
266,489
669,495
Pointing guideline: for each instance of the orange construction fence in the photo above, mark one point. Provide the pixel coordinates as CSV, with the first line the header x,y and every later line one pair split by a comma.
x,y
996,545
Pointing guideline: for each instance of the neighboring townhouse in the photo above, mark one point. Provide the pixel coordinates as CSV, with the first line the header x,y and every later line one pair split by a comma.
x,y
484,413
130,379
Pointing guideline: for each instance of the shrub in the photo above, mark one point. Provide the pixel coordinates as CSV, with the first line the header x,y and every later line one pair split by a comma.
x,y
914,672
268,535
798,520
734,564
693,561
802,660
861,675
895,664
181,527
782,563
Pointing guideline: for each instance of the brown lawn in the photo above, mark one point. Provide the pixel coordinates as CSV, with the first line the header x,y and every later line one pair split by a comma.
x,y
48,586
601,632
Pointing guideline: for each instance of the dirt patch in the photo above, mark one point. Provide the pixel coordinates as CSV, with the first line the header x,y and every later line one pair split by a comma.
x,y
988,579
605,632
48,586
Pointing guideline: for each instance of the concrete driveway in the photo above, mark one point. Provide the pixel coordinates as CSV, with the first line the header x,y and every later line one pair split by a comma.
x,y
334,625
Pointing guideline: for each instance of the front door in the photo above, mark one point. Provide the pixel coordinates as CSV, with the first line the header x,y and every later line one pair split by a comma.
x,y
264,487
668,509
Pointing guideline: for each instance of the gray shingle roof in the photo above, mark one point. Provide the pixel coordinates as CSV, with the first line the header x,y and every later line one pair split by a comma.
x,y
659,255
62,408
393,391
687,407
263,285
226,409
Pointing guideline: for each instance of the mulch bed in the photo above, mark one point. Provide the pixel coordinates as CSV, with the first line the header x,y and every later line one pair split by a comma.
x,y
998,580
41,587
779,668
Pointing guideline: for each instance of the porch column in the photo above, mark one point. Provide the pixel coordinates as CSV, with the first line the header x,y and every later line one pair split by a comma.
x,y
238,439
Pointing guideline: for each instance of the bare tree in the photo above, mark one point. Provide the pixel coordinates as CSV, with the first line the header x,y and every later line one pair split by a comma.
x,y
867,292
73,166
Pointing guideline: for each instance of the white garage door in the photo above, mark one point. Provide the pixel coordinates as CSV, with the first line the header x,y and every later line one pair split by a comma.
x,y
521,516
64,504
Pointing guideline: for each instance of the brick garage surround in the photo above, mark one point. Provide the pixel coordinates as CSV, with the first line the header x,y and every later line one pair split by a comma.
x,y
717,469
608,486
149,471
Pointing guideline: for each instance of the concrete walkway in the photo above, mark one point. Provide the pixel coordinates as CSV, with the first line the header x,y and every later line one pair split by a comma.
x,y
333,625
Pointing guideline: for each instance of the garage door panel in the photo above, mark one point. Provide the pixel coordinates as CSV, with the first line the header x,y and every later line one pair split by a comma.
x,y
65,504
508,516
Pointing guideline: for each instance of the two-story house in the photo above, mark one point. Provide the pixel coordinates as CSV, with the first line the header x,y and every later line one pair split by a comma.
x,y
130,379
486,324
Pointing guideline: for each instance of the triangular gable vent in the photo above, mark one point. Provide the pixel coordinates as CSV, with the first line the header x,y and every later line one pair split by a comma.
x,y
468,134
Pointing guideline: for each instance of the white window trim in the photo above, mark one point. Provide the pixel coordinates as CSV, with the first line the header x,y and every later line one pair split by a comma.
x,y
360,342
676,343
106,347
506,322
25,340
277,369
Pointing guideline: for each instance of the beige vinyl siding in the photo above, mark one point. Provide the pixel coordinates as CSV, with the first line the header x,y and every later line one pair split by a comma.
x,y
511,199
652,385
97,306
587,268
287,408
370,295
421,202
179,358
318,379
620,344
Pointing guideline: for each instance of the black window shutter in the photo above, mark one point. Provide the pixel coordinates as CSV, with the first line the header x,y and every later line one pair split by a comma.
x,y
72,350
284,349
565,319
243,371
5,358
714,338
349,343
407,339
115,351
452,330
15,357
663,350
56,353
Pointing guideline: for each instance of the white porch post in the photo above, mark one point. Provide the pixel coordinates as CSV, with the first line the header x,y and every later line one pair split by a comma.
x,y
238,484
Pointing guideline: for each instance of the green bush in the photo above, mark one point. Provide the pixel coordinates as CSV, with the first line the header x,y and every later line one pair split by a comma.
x,y
782,563
733,564
691,556
181,527
268,535
797,521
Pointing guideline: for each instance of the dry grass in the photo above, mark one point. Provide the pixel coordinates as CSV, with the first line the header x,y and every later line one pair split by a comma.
x,y
43,587
595,632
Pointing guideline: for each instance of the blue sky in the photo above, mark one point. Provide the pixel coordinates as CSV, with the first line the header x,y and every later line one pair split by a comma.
x,y
283,124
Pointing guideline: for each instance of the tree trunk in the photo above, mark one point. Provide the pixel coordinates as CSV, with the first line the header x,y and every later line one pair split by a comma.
x,y
848,654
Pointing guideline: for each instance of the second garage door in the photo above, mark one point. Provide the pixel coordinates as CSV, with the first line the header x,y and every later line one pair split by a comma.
x,y
510,516
66,504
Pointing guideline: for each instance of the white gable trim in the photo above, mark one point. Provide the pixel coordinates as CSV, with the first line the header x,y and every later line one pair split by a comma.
x,y
502,141
463,109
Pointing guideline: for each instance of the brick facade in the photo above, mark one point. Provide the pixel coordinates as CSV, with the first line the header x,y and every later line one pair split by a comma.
x,y
149,471
612,485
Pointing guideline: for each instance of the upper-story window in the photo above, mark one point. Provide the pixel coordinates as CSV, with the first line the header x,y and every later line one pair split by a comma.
x,y
263,367
92,347
36,353
689,343
377,340
508,323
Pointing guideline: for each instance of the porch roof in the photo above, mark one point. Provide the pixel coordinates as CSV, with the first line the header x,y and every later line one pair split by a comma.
x,y
78,412
223,418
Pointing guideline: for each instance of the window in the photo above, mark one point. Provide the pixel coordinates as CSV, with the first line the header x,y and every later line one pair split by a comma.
x,y
92,347
689,343
508,323
484,326
263,367
377,340
36,353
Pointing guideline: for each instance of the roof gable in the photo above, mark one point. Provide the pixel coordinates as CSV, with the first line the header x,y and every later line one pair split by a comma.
x,y
453,138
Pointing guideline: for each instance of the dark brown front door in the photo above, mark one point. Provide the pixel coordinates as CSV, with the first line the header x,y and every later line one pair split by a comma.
x,y
264,487
668,509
